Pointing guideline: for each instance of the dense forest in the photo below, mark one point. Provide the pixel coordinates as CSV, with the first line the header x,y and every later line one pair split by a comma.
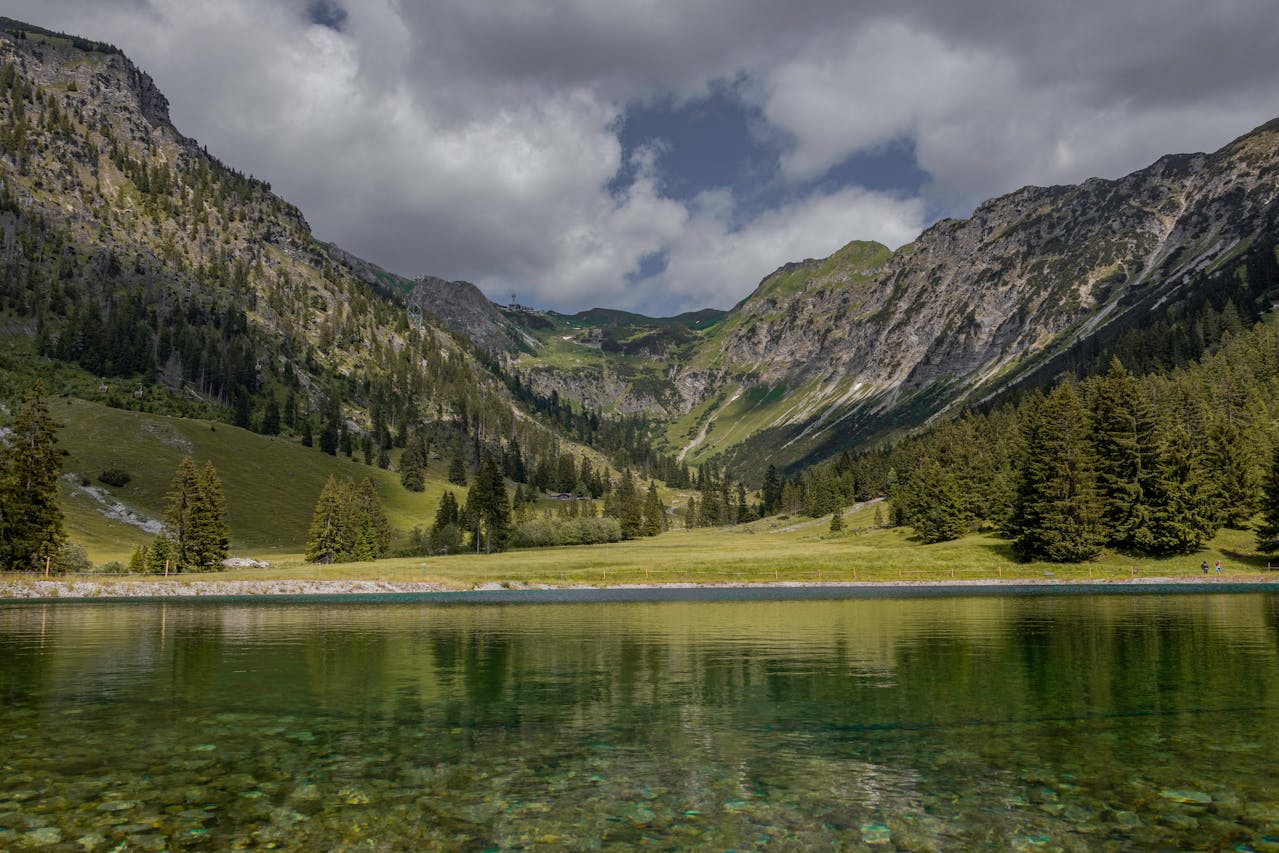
x,y
1152,464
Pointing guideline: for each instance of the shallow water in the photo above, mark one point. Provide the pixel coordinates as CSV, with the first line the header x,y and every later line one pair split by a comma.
x,y
1034,723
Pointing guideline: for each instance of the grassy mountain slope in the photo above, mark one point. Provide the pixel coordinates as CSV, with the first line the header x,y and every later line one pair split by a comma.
x,y
271,483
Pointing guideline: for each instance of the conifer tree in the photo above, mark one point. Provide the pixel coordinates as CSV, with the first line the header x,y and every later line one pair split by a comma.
x,y
654,511
446,534
371,530
271,417
211,539
1057,512
837,519
195,518
770,492
457,470
937,510
1268,532
624,505
413,465
325,542
1125,445
31,528
180,514
1233,490
488,506
1176,521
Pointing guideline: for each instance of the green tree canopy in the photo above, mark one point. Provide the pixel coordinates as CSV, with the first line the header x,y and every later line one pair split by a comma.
x,y
31,529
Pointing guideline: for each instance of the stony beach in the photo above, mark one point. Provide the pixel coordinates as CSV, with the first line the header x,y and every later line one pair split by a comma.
x,y
209,586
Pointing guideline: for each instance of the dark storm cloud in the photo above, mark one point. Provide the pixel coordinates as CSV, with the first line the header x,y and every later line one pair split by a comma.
x,y
327,13
491,141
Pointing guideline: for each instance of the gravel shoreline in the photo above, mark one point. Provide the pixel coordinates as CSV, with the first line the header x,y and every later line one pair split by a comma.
x,y
43,589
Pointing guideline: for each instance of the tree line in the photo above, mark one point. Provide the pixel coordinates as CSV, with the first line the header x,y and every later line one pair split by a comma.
x,y
1153,464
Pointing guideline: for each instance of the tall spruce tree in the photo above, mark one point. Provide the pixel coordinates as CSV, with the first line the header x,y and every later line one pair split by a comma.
x,y
326,539
446,531
31,529
1126,447
371,530
1268,532
1057,511
1176,521
212,537
457,470
1233,490
180,514
413,464
488,506
936,508
195,519
654,511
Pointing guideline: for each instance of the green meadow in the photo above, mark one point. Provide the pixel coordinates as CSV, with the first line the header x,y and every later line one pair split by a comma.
x,y
271,484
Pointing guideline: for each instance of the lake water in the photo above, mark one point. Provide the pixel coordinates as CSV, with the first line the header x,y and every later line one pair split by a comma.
x,y
1082,722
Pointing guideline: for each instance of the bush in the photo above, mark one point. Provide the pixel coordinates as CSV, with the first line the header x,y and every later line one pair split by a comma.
x,y
115,477
548,532
71,558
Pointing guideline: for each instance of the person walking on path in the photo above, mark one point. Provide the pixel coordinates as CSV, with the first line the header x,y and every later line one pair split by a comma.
x,y
1204,566
1218,567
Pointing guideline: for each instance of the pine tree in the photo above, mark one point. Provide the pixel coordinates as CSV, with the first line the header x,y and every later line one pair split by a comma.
x,y
446,535
1126,449
937,510
626,507
212,539
457,470
179,514
371,530
1233,489
325,542
654,512
837,519
271,417
195,518
413,465
488,506
1268,532
1057,512
1177,522
31,528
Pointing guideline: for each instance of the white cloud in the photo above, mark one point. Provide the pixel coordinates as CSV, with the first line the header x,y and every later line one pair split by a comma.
x,y
727,262
479,141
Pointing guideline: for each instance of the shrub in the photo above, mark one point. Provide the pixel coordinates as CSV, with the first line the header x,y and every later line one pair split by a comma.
x,y
71,558
114,477
548,532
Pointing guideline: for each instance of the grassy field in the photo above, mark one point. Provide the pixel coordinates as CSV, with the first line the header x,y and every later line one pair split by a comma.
x,y
271,484
770,550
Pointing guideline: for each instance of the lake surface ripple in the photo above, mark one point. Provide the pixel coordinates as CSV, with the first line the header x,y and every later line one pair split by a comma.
x,y
1073,722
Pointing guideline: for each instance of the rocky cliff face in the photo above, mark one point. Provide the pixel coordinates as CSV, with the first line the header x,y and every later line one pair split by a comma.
x,y
856,339
462,307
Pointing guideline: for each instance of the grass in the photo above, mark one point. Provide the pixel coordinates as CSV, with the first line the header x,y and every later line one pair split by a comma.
x,y
271,484
772,550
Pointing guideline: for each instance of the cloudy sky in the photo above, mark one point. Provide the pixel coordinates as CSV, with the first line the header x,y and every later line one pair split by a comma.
x,y
663,155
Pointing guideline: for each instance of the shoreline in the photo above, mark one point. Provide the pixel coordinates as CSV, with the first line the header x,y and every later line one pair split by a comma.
x,y
51,590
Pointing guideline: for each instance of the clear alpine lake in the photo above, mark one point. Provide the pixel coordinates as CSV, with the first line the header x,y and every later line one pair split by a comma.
x,y
1029,722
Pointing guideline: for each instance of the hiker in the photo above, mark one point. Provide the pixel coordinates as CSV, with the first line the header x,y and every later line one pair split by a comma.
x,y
1204,566
1218,567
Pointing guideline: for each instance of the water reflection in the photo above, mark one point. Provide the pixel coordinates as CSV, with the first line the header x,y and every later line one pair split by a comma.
x,y
1128,721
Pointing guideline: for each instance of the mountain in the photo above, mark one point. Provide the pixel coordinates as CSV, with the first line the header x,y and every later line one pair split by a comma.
x,y
460,306
139,271
829,354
